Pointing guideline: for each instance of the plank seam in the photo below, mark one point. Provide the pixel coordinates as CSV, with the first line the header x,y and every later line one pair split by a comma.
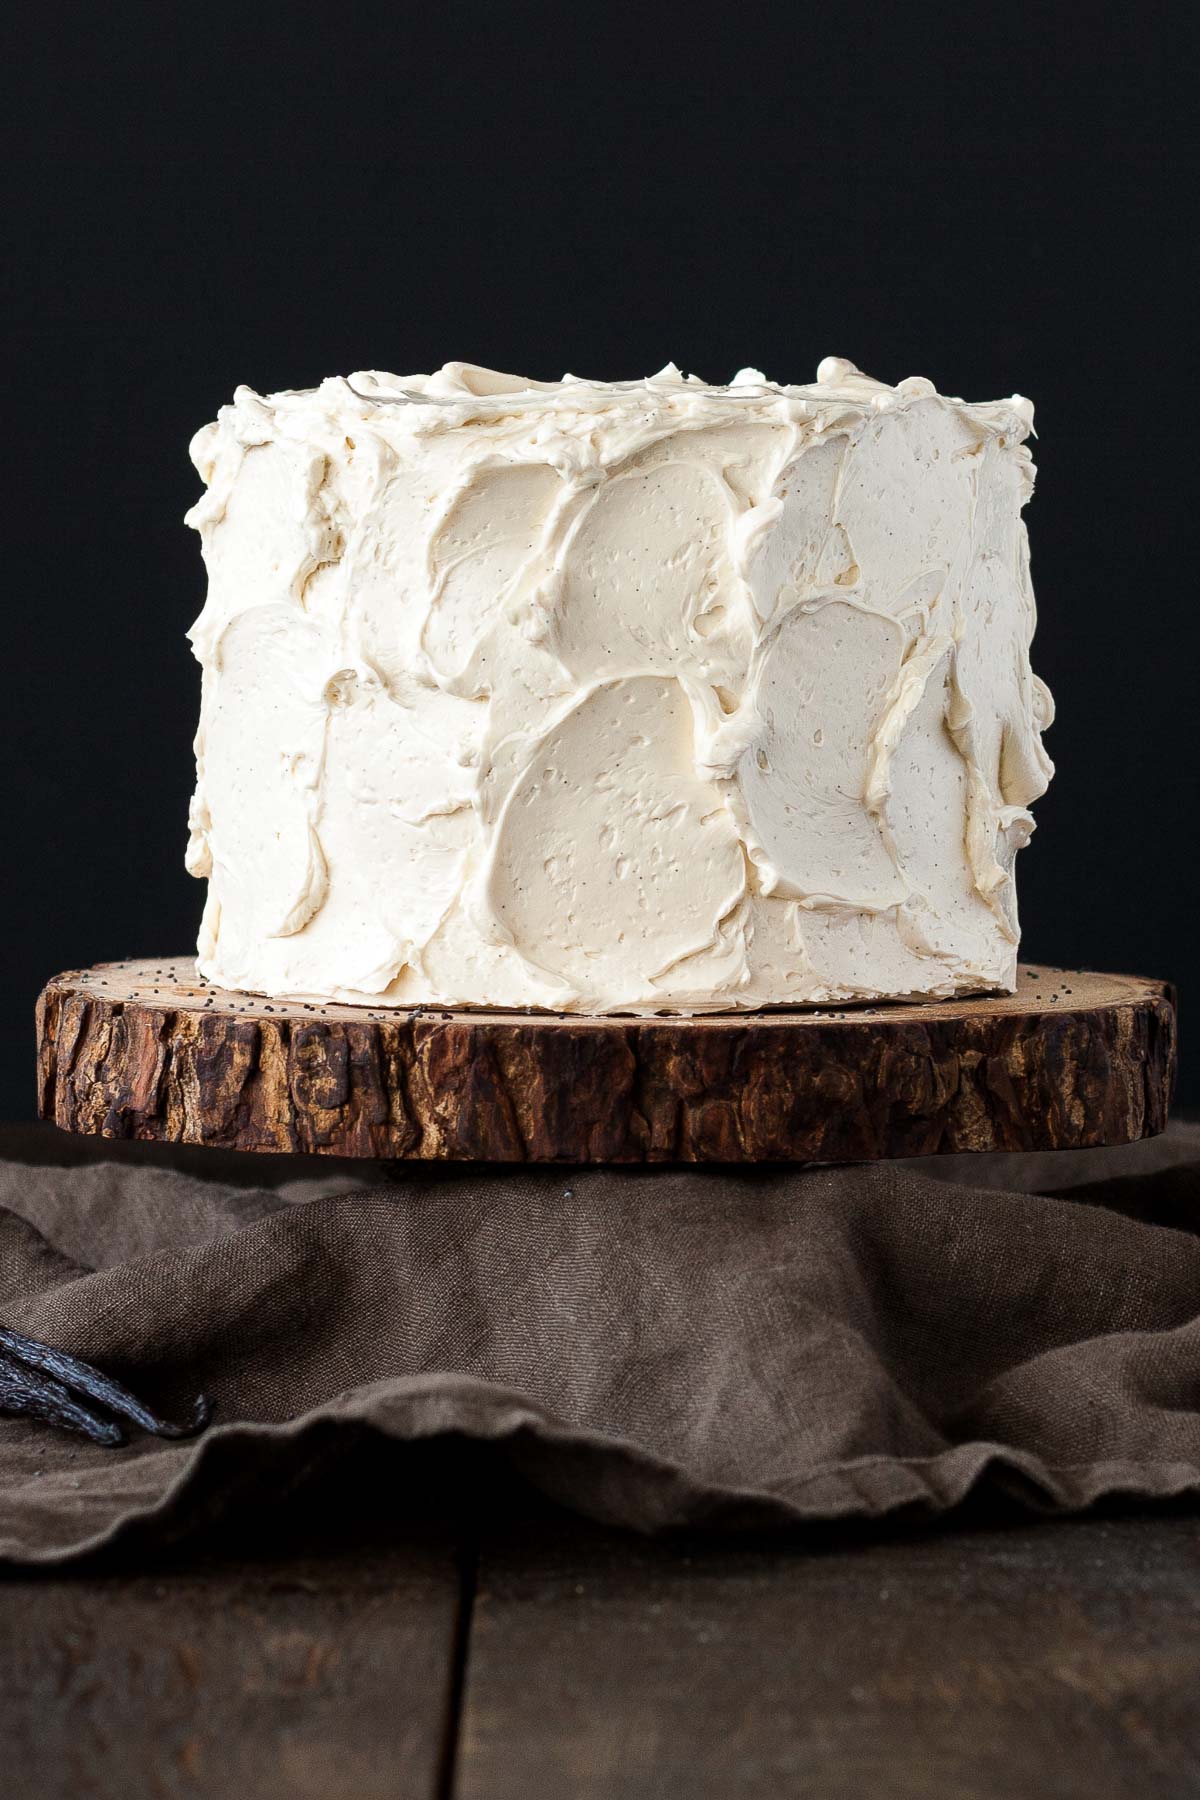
x,y
468,1582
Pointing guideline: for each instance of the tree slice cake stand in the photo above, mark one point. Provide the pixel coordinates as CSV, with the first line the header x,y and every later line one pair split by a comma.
x,y
146,1050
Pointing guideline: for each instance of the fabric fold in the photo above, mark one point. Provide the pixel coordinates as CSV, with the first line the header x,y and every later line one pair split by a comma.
x,y
651,1348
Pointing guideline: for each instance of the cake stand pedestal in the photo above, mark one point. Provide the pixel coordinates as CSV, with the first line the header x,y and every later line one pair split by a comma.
x,y
145,1050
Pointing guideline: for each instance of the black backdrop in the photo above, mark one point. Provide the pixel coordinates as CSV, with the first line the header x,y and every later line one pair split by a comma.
x,y
274,194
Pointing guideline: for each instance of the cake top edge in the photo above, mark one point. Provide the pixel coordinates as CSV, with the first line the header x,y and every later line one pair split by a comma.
x,y
462,393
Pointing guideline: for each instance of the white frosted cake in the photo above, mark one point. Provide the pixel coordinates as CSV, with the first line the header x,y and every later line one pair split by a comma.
x,y
644,696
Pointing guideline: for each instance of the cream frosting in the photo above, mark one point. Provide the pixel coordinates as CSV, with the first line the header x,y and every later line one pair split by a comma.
x,y
632,696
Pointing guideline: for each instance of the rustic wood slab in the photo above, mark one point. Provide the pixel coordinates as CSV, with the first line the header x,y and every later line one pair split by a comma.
x,y
144,1050
1058,1660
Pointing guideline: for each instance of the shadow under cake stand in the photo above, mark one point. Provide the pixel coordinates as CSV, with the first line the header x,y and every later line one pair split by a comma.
x,y
145,1050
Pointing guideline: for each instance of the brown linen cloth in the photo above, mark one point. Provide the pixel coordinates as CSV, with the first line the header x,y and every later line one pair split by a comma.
x,y
649,1347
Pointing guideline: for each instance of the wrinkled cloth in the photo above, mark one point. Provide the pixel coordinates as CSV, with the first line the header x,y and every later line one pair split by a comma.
x,y
651,1348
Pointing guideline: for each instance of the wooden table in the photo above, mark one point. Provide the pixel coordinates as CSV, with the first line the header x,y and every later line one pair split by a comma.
x,y
542,1659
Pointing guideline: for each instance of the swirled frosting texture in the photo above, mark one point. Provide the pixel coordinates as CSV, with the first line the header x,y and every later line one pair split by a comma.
x,y
614,697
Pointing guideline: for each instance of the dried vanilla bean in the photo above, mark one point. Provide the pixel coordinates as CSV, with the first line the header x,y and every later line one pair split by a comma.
x,y
68,1372
30,1394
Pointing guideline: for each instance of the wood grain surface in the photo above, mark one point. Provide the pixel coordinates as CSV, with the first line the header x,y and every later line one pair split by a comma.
x,y
144,1050
1045,1662
318,1678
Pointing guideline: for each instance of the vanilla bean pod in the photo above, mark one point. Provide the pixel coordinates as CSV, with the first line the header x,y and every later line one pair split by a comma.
x,y
66,1372
31,1394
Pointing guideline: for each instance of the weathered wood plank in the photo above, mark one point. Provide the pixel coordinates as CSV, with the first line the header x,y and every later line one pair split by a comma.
x,y
141,1050
1061,1661
327,1678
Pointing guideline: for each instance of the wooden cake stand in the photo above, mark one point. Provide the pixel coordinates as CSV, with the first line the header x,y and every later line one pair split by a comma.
x,y
144,1050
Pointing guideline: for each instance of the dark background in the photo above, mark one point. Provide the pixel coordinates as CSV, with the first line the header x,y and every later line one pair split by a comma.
x,y
994,199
